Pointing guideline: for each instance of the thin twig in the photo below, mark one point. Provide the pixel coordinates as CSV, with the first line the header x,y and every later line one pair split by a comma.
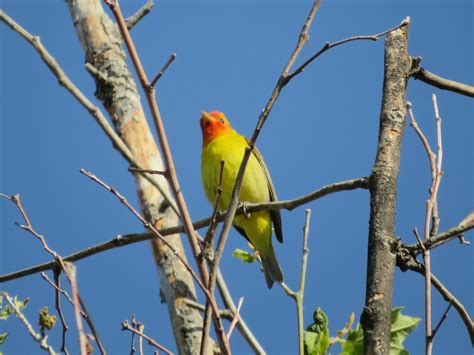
x,y
158,76
441,320
57,287
328,46
148,171
431,155
58,260
152,342
234,201
64,266
57,303
465,225
420,242
300,293
431,215
141,328
96,73
123,240
224,313
42,341
137,16
208,243
235,319
70,271
297,296
241,325
448,297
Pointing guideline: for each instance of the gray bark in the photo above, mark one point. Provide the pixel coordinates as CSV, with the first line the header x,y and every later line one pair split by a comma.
x,y
375,319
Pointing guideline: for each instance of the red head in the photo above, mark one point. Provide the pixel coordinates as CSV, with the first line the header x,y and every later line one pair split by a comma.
x,y
212,124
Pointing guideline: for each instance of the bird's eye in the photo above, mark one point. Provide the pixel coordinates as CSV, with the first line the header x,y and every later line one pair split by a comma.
x,y
222,120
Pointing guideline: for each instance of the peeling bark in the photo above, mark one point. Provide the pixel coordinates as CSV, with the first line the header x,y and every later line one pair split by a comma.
x,y
376,318
117,90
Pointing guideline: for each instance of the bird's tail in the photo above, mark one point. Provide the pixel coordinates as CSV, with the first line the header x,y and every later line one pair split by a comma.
x,y
271,268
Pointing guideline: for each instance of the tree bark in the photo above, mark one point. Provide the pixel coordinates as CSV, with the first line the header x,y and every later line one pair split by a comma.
x,y
376,317
117,91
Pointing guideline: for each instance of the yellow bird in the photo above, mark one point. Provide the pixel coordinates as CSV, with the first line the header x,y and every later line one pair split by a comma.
x,y
222,142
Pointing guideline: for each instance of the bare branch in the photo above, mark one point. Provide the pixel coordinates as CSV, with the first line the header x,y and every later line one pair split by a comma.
x,y
58,260
147,171
297,296
235,319
152,342
241,325
123,240
152,228
441,320
427,77
57,302
431,216
137,16
328,46
465,225
96,113
43,341
447,296
158,76
70,271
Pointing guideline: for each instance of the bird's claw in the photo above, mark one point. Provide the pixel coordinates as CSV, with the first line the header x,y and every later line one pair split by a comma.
x,y
244,207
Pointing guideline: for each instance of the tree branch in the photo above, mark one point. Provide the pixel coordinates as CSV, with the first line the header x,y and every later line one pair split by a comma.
x,y
123,240
465,225
328,45
42,341
127,326
427,77
446,294
375,318
95,112
137,16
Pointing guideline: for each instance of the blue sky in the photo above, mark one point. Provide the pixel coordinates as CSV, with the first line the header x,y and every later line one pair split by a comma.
x,y
323,129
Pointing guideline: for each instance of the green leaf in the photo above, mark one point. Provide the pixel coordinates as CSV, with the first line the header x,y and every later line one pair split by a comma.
x,y
3,336
402,326
5,312
20,304
316,337
243,255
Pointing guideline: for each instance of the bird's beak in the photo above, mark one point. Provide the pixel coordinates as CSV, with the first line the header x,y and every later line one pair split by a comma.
x,y
206,117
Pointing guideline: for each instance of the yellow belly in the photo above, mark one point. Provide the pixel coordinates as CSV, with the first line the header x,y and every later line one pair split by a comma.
x,y
230,147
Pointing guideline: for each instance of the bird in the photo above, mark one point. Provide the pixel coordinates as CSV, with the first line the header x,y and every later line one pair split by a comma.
x,y
220,142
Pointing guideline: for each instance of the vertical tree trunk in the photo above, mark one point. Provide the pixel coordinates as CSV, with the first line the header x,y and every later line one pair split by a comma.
x,y
383,194
101,41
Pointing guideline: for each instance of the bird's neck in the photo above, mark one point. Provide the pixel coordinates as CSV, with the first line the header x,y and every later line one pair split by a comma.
x,y
210,132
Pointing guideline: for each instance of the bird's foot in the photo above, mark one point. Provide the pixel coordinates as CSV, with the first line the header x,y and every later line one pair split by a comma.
x,y
244,206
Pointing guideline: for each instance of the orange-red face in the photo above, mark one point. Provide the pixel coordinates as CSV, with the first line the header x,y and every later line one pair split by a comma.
x,y
212,124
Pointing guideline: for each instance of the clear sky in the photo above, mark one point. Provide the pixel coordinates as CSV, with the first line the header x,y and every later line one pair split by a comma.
x,y
323,129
